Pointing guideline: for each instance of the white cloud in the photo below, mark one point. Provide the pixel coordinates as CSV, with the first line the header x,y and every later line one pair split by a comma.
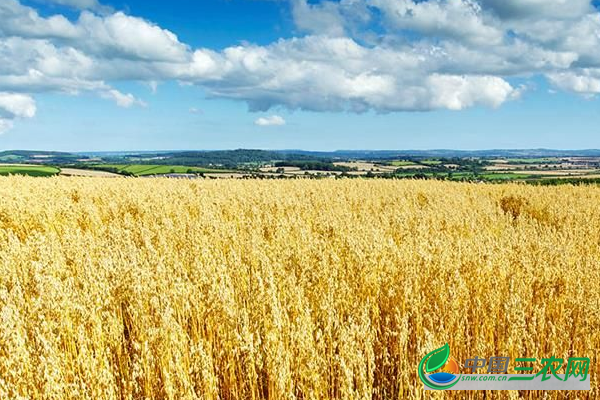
x,y
324,73
273,120
17,105
462,19
14,106
113,36
459,92
585,82
333,18
125,100
21,21
318,18
122,36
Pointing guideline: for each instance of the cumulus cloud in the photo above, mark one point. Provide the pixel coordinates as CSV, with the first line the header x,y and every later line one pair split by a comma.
x,y
124,100
462,19
320,18
350,55
112,37
273,120
585,82
121,36
323,74
14,106
334,18
17,105
20,21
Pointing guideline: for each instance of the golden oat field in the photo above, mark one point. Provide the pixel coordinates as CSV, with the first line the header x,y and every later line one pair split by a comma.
x,y
296,289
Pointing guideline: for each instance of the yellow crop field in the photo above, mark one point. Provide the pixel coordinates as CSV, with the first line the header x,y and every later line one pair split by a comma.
x,y
295,289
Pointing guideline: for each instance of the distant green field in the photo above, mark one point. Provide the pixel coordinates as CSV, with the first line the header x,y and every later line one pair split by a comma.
x,y
504,176
467,175
33,170
402,163
462,175
145,170
431,162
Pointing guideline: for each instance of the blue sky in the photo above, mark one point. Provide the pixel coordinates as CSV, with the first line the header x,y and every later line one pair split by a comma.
x,y
321,75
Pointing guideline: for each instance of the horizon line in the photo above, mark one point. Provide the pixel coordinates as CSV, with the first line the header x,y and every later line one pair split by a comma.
x,y
307,150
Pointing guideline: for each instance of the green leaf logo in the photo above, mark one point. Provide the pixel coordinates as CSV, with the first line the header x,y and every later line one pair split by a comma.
x,y
438,358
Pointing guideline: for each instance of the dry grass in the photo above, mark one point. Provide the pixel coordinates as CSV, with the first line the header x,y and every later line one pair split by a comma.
x,y
174,289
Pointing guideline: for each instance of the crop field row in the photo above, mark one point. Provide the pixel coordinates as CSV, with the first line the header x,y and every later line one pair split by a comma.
x,y
498,176
146,170
290,289
402,163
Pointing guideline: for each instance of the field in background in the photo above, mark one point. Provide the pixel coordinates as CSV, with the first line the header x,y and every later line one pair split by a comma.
x,y
558,167
87,172
170,289
30,170
148,170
